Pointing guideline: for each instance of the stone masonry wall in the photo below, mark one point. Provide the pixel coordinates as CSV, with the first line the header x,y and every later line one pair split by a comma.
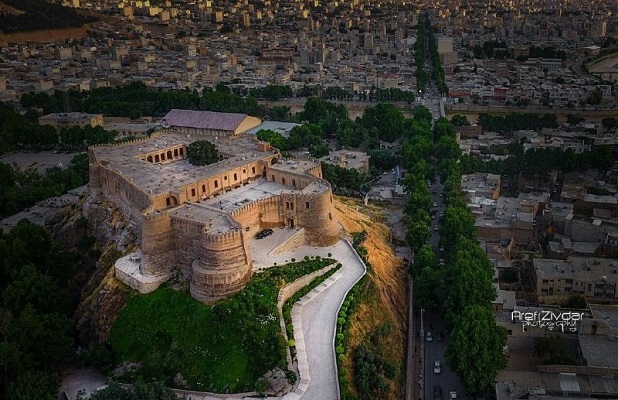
x,y
316,213
157,245
223,267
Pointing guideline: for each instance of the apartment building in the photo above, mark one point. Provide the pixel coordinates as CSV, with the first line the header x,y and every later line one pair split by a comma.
x,y
588,276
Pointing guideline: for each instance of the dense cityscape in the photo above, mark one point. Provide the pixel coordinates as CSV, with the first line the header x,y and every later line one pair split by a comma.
x,y
308,200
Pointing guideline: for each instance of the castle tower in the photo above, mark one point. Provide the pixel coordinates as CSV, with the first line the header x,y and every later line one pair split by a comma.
x,y
223,267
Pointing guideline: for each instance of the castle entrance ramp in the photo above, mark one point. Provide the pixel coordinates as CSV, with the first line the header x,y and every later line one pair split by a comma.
x,y
282,239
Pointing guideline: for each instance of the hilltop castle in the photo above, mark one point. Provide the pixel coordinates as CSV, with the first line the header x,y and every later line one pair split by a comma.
x,y
199,219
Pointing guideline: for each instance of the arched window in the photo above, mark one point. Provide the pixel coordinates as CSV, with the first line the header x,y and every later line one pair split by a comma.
x,y
169,154
157,158
149,159
253,170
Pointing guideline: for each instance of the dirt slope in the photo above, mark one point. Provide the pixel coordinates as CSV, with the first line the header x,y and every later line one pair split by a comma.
x,y
385,300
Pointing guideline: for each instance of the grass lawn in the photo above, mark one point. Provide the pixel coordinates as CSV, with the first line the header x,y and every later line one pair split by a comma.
x,y
222,348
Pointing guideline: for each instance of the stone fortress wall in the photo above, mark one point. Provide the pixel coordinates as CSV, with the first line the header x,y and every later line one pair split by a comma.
x,y
179,233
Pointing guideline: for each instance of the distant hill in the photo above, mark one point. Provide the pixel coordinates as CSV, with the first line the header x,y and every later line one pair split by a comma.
x,y
29,15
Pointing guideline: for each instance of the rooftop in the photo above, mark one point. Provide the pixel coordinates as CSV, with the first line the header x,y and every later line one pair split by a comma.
x,y
157,179
545,386
599,350
282,128
235,199
213,219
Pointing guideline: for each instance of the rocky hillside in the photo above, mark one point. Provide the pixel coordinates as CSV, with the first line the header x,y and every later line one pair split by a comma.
x,y
99,231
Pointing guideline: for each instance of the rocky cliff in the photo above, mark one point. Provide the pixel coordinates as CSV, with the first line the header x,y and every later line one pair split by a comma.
x,y
101,235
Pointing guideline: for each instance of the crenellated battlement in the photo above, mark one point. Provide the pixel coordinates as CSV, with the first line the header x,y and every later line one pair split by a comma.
x,y
225,237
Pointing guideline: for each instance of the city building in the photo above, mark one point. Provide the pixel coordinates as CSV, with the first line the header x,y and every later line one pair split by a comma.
x,y
588,276
348,159
66,120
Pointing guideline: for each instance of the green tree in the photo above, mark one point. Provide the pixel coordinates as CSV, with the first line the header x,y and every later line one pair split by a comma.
x,y
443,128
382,159
573,119
417,234
470,283
475,350
425,288
202,152
424,257
387,118
422,113
275,139
460,120
34,385
319,150
33,288
279,113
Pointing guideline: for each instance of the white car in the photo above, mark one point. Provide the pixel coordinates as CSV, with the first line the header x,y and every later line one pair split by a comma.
x,y
437,367
428,337
452,395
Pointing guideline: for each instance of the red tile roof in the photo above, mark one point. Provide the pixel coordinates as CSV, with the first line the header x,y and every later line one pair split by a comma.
x,y
203,119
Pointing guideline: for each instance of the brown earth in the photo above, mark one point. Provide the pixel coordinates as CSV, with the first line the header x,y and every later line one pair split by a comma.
x,y
45,35
384,296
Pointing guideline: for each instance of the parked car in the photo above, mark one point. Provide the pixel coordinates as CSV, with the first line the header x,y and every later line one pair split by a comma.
x,y
428,337
262,234
437,367
435,227
452,395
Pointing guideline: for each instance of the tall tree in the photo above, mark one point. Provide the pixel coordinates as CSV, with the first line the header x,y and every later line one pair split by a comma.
x,y
475,350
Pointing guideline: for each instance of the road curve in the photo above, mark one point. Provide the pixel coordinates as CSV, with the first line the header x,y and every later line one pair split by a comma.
x,y
314,318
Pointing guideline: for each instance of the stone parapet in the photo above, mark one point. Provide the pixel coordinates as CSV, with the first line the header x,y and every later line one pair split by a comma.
x,y
127,271
290,244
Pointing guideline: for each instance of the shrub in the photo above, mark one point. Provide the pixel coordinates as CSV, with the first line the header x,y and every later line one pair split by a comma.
x,y
202,152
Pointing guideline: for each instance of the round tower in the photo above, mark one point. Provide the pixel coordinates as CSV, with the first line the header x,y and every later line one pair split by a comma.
x,y
223,267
